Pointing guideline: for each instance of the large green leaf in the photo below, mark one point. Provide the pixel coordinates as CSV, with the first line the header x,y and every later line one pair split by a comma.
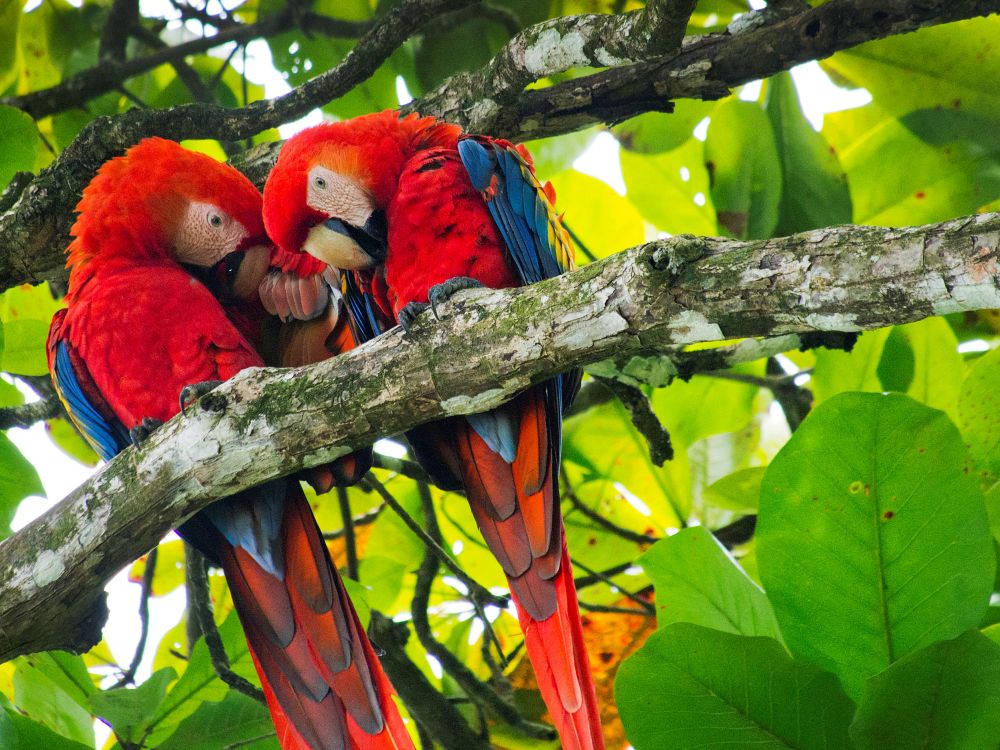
x,y
19,141
130,710
815,190
943,697
18,732
45,700
603,221
26,312
837,371
938,369
872,540
656,132
10,20
199,683
671,190
979,414
690,686
234,720
742,159
897,179
698,582
18,479
951,66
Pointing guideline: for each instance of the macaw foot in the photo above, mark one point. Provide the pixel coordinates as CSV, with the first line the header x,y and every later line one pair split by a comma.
x,y
441,293
410,313
141,432
195,391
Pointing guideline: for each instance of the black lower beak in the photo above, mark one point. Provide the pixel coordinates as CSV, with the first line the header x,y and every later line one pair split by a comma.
x,y
372,237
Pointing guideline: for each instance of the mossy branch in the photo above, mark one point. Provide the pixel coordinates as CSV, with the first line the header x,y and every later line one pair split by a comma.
x,y
490,345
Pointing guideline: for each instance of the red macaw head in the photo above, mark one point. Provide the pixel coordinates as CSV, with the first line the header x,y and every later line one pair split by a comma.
x,y
329,189
162,201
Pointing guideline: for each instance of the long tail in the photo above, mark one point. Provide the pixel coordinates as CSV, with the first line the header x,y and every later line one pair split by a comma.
x,y
508,461
559,656
324,685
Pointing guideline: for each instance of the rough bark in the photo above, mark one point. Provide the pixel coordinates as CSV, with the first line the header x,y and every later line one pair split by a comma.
x,y
35,215
490,345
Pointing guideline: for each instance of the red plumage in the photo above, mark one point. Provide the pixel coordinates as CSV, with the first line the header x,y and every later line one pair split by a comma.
x,y
439,228
138,328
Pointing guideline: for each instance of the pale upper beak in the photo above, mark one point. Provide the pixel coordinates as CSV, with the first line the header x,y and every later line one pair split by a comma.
x,y
239,273
343,245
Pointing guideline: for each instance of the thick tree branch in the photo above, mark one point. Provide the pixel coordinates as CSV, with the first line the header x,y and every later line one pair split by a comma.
x,y
490,345
33,230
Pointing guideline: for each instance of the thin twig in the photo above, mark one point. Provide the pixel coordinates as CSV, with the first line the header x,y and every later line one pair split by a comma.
x,y
643,417
604,578
610,609
200,604
25,415
633,536
477,590
364,519
128,676
350,541
401,466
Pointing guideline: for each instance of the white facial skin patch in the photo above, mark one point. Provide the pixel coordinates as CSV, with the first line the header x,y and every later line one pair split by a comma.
x,y
206,234
339,197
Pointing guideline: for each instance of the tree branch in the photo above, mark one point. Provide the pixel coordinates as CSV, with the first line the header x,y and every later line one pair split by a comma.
x,y
491,345
34,229
25,415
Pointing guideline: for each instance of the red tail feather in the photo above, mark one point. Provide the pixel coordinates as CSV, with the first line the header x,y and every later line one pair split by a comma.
x,y
324,685
559,656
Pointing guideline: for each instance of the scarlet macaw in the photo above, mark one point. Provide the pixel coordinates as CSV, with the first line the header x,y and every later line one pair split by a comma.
x,y
416,210
138,329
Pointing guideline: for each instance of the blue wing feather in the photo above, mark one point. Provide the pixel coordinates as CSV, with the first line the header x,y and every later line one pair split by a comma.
x,y
108,437
539,248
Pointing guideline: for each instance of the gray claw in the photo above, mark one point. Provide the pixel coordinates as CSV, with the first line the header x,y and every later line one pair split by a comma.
x,y
141,432
191,393
441,293
410,313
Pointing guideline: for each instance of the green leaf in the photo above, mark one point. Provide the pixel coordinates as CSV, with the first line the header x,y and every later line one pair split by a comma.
x,y
815,190
18,732
938,368
836,371
66,671
45,700
236,719
199,683
600,220
554,155
68,440
656,132
742,159
979,415
130,710
951,66
10,19
18,479
26,312
738,492
697,581
896,365
19,140
897,179
667,189
872,540
690,686
943,697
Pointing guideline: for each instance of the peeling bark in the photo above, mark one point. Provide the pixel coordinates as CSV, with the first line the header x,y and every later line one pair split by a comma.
x,y
490,345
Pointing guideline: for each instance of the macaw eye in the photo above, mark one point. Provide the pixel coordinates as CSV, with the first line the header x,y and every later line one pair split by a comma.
x,y
320,182
215,220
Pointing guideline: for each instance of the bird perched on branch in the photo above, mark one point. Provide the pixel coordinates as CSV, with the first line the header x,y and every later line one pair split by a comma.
x,y
414,211
139,329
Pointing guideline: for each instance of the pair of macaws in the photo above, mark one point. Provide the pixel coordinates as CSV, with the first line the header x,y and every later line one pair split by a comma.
x,y
171,264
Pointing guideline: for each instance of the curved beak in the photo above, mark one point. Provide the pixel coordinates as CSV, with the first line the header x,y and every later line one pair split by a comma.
x,y
342,245
239,273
